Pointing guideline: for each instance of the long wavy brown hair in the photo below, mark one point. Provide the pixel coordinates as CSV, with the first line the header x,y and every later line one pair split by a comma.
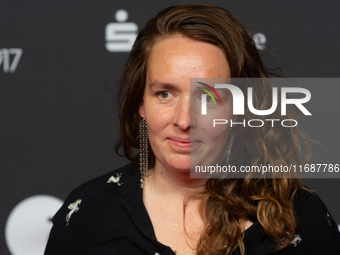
x,y
226,201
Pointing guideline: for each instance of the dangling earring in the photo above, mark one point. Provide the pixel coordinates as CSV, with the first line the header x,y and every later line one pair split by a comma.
x,y
230,144
143,150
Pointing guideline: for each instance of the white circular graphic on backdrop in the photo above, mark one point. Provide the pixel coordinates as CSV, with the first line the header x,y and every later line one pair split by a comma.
x,y
29,224
121,15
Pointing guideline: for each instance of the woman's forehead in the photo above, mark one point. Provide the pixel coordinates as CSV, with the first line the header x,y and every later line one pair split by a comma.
x,y
182,56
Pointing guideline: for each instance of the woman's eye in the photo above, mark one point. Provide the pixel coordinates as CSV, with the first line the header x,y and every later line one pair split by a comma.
x,y
210,100
164,94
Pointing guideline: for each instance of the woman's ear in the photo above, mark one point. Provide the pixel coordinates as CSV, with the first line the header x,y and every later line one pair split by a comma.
x,y
142,111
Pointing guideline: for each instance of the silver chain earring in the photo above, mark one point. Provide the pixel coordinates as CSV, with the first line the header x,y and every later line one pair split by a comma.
x,y
143,150
230,143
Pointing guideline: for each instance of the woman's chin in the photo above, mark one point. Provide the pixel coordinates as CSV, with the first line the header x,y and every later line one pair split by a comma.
x,y
187,163
181,164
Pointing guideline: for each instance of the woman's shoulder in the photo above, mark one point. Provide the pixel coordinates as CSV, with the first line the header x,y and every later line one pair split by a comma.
x,y
317,232
111,181
93,213
87,200
308,206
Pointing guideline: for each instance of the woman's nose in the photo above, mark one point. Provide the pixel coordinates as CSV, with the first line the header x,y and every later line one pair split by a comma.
x,y
182,115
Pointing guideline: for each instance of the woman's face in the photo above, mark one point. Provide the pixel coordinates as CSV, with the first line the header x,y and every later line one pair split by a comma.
x,y
174,131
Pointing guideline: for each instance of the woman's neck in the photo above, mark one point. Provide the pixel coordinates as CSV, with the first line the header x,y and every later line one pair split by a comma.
x,y
171,182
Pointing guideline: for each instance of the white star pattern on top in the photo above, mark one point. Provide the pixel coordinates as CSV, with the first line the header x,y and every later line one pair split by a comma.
x,y
115,179
74,207
297,239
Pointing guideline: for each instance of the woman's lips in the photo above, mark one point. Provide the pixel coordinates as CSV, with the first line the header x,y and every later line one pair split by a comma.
x,y
183,143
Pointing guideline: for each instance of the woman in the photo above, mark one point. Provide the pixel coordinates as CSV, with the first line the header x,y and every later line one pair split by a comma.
x,y
160,209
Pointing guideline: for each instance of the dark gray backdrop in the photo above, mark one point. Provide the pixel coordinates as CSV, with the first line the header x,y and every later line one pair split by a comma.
x,y
58,118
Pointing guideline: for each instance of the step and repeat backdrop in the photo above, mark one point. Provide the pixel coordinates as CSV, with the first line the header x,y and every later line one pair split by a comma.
x,y
59,63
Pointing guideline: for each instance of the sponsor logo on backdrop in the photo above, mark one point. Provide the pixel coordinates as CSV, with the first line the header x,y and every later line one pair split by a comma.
x,y
9,59
120,35
260,41
29,224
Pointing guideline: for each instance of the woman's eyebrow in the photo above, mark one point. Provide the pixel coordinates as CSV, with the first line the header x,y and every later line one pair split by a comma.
x,y
163,85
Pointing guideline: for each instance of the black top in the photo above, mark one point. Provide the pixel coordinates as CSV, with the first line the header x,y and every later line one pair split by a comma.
x,y
107,216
